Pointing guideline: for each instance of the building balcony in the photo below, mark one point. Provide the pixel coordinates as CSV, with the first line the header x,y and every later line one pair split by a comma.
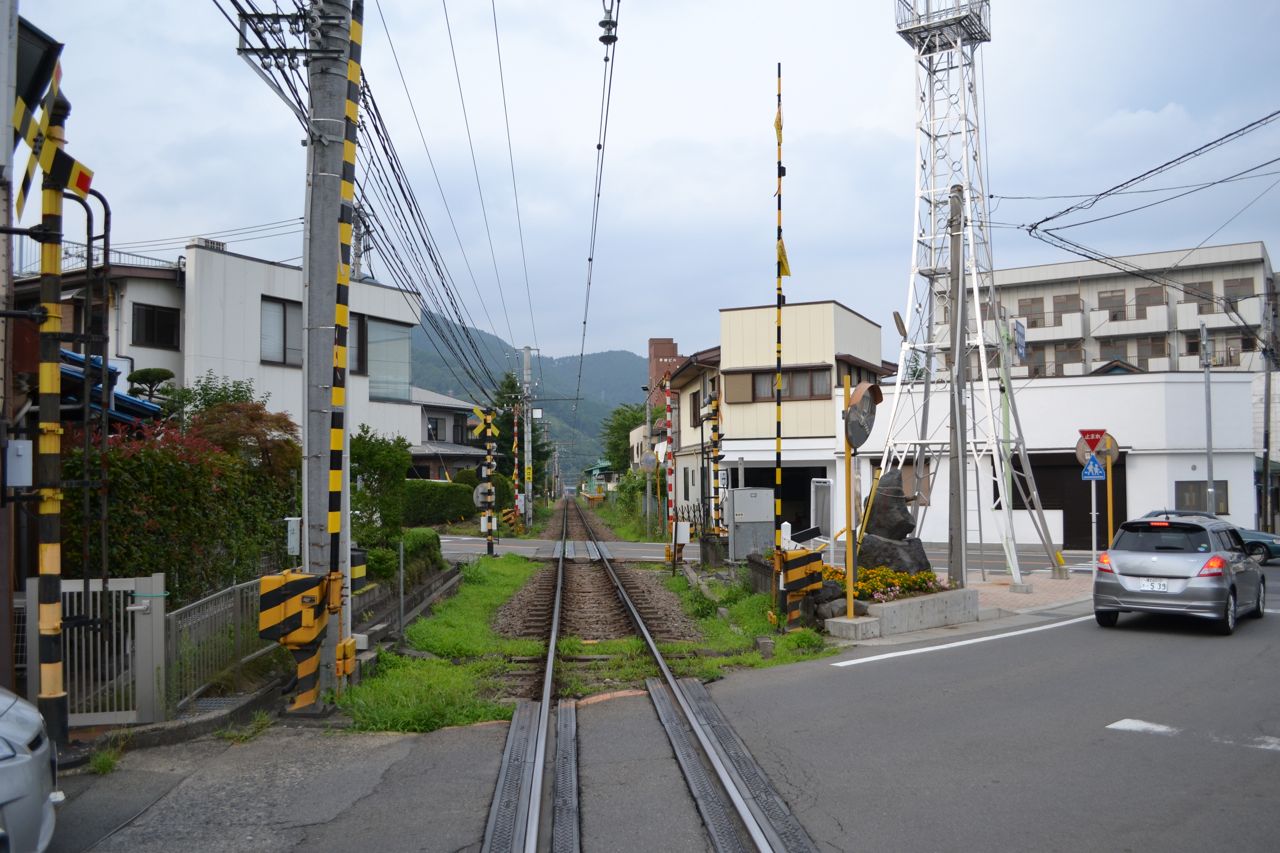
x,y
1230,360
1130,320
990,331
1190,316
1162,364
1067,327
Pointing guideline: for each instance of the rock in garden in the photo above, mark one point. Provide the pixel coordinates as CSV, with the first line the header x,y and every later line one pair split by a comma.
x,y
904,556
890,517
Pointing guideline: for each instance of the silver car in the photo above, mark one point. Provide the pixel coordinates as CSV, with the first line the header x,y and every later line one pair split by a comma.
x,y
1186,565
28,777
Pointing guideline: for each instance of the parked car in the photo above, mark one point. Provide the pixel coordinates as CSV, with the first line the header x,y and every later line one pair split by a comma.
x,y
28,777
1258,543
1191,565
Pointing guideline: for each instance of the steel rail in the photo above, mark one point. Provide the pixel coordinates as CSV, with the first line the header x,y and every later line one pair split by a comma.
x,y
544,709
740,806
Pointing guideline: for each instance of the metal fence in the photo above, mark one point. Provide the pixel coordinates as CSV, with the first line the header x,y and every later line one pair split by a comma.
x,y
112,649
209,637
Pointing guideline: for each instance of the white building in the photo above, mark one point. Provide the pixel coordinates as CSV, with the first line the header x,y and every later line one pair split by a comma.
x,y
239,317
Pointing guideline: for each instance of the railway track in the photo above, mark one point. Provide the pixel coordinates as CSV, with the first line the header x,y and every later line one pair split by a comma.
x,y
536,799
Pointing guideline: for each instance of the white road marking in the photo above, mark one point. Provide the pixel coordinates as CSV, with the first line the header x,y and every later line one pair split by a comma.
x,y
959,643
1265,610
1266,742
1129,725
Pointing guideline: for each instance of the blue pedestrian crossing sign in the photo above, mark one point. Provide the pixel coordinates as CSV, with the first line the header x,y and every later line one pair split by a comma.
x,y
1093,470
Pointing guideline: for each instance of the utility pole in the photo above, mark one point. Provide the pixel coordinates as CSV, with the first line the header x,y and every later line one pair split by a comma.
x,y
8,91
490,446
1211,503
325,272
1268,357
956,552
528,437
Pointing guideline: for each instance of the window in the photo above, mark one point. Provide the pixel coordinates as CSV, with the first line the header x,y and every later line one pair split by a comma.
x,y
1066,303
157,327
1113,350
695,408
1201,293
1148,297
435,429
1149,348
1171,536
281,332
1112,301
459,431
1235,289
1193,344
1067,353
387,356
1033,309
1035,360
1190,495
357,345
814,384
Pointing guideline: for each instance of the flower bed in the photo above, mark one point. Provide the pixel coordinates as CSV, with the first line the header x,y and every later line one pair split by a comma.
x,y
883,584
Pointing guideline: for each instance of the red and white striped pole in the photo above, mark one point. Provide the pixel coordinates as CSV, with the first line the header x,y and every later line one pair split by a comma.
x,y
670,459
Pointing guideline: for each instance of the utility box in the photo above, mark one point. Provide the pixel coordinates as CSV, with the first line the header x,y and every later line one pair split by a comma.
x,y
749,517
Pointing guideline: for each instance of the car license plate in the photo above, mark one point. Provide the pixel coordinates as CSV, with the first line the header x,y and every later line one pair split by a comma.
x,y
1153,586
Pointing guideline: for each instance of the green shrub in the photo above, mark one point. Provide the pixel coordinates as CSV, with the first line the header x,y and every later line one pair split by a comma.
x,y
378,465
467,477
382,563
432,502
504,492
422,553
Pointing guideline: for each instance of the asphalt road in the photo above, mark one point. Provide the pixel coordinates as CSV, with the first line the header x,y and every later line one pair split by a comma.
x,y
1032,735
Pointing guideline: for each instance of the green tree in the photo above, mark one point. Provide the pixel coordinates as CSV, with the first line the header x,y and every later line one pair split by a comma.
x,y
507,398
378,467
148,380
615,434
207,391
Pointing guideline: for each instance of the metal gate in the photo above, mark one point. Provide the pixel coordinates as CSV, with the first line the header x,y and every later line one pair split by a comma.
x,y
114,662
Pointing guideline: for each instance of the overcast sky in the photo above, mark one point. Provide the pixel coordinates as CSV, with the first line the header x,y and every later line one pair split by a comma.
x,y
185,139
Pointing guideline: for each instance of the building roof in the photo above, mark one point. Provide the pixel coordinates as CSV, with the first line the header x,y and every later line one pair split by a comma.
x,y
427,397
771,307
709,357
1183,259
445,448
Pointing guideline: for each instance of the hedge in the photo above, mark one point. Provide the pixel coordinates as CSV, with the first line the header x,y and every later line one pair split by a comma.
x,y
434,502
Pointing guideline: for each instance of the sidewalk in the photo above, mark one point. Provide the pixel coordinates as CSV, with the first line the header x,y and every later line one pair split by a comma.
x,y
1046,592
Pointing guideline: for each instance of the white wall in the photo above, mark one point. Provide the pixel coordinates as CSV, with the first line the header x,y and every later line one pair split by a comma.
x,y
1158,420
222,328
147,292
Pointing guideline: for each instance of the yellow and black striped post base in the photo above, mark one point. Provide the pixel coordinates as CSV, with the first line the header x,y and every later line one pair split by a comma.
x,y
801,573
292,611
345,664
359,570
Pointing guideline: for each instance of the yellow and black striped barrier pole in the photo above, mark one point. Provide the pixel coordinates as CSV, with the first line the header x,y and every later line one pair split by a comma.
x,y
52,698
345,653
782,269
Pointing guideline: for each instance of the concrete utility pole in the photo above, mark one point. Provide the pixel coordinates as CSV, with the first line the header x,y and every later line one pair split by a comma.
x,y
324,403
9,20
1268,357
1211,503
528,437
956,554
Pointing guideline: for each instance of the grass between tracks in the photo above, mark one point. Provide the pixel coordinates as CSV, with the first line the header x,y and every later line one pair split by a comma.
x,y
461,684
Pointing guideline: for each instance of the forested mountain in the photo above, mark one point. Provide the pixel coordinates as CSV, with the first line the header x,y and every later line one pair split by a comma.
x,y
608,379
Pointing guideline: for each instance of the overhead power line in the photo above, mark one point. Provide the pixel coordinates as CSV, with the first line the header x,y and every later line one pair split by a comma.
x,y
612,10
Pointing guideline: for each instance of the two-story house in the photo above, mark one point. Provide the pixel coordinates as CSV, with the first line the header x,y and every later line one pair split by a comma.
x,y
822,342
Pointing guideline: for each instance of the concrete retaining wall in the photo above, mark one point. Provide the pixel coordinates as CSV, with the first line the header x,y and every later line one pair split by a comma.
x,y
951,607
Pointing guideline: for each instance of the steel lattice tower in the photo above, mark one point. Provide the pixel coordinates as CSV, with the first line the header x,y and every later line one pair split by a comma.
x,y
945,35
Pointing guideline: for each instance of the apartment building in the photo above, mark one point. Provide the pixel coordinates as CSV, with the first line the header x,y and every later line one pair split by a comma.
x,y
1081,315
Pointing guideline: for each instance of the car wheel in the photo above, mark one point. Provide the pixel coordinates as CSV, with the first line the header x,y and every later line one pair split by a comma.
x,y
1260,605
1107,618
1227,625
1259,550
